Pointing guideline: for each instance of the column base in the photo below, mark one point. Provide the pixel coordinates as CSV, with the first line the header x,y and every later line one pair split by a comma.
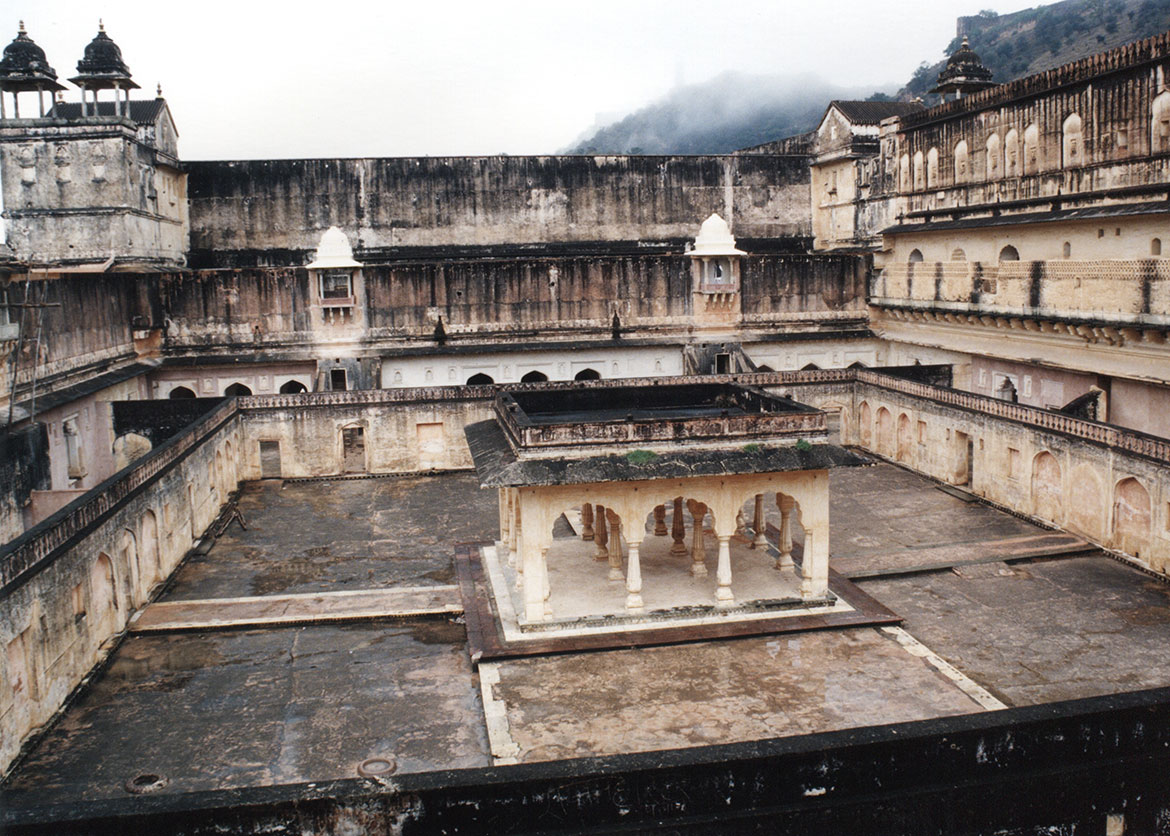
x,y
784,561
615,574
634,601
724,597
760,542
699,570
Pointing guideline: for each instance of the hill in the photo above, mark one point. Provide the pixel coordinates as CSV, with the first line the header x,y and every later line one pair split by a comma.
x,y
731,111
1033,40
736,111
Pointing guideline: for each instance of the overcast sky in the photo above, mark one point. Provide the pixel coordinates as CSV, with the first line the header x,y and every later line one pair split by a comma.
x,y
445,77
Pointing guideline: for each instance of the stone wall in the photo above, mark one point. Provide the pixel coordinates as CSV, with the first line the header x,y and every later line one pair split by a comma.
x,y
284,206
69,586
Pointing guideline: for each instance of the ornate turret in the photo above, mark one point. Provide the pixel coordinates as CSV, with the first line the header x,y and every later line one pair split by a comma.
x,y
23,69
964,73
102,68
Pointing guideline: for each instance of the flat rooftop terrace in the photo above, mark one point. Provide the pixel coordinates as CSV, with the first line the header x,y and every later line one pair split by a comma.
x,y
997,612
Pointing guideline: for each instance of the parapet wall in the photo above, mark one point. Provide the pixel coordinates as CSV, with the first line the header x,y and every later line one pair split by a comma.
x,y
412,202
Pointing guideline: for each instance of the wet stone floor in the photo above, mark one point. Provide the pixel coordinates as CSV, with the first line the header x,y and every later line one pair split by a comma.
x,y
344,534
254,707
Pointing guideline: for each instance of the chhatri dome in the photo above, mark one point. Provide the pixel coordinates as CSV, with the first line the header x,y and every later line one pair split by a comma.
x,y
334,252
102,64
964,72
25,67
715,238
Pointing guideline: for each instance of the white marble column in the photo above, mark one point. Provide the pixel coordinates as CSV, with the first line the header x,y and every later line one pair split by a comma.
x,y
615,545
759,524
698,552
634,575
785,504
723,596
814,565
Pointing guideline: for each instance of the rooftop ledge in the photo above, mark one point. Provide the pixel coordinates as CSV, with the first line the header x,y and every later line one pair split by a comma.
x,y
583,420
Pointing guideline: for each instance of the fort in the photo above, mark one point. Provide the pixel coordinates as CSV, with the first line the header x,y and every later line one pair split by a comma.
x,y
292,449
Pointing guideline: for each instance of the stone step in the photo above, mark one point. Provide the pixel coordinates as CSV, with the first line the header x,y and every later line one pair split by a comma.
x,y
311,607
938,558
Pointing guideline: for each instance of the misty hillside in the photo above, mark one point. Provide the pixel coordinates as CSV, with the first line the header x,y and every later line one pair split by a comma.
x,y
737,111
1034,40
729,112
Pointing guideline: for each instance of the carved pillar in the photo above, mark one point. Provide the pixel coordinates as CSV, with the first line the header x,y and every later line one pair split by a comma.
x,y
698,554
678,528
723,596
634,576
600,535
659,520
814,565
785,504
760,541
505,504
587,521
615,545
534,578
547,589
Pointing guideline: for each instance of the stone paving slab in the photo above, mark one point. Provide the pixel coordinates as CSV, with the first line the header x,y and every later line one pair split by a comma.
x,y
271,610
225,709
650,698
932,558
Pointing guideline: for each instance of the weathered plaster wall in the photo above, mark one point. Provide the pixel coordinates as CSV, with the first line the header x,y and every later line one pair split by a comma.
x,y
402,432
62,606
286,205
24,467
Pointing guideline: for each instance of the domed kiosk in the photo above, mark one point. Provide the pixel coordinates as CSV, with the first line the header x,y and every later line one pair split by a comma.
x,y
964,73
24,69
102,68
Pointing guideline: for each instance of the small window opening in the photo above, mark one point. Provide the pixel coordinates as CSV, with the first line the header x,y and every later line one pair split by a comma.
x,y
1067,249
73,451
722,364
292,387
480,379
180,393
1009,253
237,390
587,374
915,256
337,381
534,377
1156,246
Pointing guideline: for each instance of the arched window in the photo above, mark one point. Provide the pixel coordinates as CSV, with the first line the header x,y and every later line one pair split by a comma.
x,y
915,256
958,255
1073,141
994,158
1066,251
587,374
1160,123
809,367
764,369
236,390
181,393
919,172
932,168
292,387
904,173
1155,246
1031,149
1011,154
480,379
1009,253
534,377
962,165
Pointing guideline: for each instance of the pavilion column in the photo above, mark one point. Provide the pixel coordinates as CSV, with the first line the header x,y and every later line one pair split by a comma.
x,y
698,553
587,521
814,564
534,578
547,590
785,504
634,575
678,528
615,545
758,524
601,535
723,596
505,506
740,522
660,521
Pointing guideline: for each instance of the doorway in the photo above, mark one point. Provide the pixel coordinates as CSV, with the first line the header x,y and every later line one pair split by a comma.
x,y
353,449
964,459
269,459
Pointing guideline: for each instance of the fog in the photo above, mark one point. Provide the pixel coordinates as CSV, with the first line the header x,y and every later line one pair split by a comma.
x,y
353,78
